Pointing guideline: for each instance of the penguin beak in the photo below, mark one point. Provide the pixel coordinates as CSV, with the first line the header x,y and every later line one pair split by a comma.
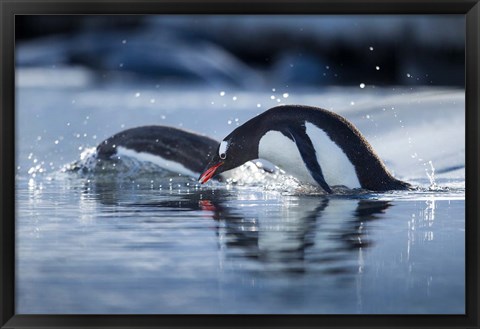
x,y
205,177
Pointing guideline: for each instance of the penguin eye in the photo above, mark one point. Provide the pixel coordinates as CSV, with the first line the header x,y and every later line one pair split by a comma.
x,y
222,149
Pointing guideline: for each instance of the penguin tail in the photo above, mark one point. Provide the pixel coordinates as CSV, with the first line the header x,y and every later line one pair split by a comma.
x,y
397,184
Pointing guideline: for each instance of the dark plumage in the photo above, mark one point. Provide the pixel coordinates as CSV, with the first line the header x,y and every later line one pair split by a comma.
x,y
187,148
290,120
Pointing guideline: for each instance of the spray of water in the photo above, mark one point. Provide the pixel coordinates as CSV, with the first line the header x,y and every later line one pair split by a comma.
x,y
431,176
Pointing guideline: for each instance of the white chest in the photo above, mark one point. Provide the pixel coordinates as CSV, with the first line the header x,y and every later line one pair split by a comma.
x,y
283,152
336,167
155,159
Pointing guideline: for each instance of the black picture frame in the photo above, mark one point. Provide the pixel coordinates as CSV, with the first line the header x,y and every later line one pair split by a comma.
x,y
10,8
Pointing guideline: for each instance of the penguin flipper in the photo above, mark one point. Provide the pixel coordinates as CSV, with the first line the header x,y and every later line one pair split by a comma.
x,y
309,156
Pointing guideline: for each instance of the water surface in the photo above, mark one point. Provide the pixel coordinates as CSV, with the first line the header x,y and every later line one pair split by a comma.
x,y
145,243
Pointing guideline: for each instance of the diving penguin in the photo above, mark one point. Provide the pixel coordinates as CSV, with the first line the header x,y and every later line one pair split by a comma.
x,y
174,149
312,144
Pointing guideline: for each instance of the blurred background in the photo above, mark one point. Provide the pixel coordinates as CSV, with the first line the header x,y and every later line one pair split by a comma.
x,y
250,51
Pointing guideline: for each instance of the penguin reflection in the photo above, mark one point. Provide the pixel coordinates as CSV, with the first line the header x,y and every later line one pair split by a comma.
x,y
304,234
290,234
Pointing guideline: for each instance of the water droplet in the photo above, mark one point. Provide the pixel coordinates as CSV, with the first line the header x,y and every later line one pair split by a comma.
x,y
352,103
285,95
152,101
56,142
367,116
234,98
272,97
163,117
259,105
377,68
371,48
362,85
120,65
273,89
408,75
124,41
137,95
222,93
229,122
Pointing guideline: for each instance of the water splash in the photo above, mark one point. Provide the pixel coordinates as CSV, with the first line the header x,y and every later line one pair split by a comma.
x,y
259,174
86,163
431,177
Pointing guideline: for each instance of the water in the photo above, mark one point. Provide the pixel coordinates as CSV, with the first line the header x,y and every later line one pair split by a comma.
x,y
144,243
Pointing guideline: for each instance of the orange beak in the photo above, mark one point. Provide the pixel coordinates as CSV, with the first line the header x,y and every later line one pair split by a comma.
x,y
205,177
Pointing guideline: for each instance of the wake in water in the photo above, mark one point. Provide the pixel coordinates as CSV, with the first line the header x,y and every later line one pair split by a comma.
x,y
258,175
128,168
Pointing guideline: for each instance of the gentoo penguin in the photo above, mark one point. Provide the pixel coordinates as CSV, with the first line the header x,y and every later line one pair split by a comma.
x,y
312,144
173,149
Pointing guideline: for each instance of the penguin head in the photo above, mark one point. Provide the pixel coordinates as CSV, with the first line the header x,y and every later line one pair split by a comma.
x,y
232,152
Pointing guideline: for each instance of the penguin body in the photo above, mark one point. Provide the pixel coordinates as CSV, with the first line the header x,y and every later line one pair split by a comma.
x,y
312,144
170,148
336,169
